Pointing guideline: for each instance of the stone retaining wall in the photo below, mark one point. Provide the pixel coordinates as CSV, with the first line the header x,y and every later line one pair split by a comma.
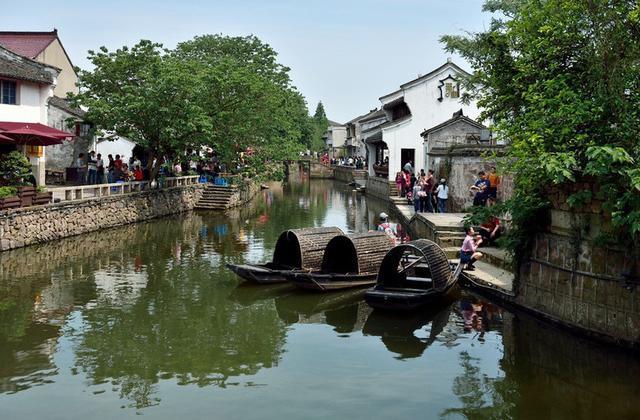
x,y
348,174
572,279
31,225
378,187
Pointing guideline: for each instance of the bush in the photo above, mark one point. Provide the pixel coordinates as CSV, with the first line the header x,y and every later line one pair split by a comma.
x,y
15,169
8,192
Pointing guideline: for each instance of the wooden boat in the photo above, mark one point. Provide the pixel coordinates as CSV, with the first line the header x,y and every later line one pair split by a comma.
x,y
349,261
413,275
296,249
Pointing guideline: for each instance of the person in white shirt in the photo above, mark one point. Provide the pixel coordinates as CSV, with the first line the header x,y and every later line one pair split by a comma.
x,y
443,194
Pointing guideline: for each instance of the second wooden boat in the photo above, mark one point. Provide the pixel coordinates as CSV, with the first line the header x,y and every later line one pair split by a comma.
x,y
296,249
413,275
349,261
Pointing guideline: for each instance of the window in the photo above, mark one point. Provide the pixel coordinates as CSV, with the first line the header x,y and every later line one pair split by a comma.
x,y
8,92
451,90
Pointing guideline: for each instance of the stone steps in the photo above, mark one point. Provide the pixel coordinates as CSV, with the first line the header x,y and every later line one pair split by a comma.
x,y
215,197
494,256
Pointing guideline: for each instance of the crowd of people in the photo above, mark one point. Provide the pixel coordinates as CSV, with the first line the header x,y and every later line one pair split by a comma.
x,y
358,162
423,190
94,169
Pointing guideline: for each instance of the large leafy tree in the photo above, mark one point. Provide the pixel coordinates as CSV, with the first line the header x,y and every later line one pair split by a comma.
x,y
228,93
249,96
561,81
148,96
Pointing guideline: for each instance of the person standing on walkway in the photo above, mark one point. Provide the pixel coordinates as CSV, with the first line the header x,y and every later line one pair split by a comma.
x,y
110,169
443,194
428,188
92,168
468,253
82,169
117,169
494,182
100,169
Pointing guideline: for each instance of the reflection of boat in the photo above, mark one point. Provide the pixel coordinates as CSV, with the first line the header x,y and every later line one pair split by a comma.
x,y
412,275
249,293
340,309
397,330
349,261
295,249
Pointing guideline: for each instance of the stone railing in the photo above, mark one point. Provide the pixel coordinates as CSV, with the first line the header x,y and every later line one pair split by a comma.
x,y
81,192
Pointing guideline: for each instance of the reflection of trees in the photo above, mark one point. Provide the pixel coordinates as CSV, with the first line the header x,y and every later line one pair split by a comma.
x,y
482,397
181,326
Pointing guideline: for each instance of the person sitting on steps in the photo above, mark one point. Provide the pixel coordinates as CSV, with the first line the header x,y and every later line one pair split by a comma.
x,y
468,253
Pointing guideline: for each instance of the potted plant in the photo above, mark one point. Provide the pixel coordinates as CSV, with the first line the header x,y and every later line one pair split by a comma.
x,y
9,198
42,196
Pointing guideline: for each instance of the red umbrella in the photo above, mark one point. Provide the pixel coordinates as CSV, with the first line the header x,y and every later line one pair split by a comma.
x,y
29,136
6,140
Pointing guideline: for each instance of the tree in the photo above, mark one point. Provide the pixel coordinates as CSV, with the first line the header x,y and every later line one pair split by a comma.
x,y
249,97
227,93
321,124
561,81
147,96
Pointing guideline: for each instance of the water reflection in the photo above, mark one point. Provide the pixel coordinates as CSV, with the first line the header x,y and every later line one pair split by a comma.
x,y
124,313
408,335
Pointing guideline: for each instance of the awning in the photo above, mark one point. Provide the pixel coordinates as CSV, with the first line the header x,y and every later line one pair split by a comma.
x,y
34,134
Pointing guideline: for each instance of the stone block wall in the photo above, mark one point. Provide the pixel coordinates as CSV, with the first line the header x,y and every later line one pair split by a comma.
x,y
378,187
348,174
574,280
39,224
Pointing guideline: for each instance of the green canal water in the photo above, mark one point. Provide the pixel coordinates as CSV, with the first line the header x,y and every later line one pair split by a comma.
x,y
146,320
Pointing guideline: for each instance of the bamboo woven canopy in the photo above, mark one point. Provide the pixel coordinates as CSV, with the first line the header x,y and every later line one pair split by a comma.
x,y
359,253
303,248
425,252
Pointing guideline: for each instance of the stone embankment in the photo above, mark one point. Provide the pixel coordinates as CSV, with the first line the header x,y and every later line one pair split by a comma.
x,y
38,224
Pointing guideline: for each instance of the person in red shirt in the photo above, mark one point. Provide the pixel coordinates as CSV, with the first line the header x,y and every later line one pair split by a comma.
x,y
138,174
490,230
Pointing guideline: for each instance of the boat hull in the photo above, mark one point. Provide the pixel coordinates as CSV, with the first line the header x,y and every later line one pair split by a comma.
x,y
258,273
397,299
322,282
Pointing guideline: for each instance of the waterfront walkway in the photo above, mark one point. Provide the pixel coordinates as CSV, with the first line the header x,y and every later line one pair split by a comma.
x,y
493,273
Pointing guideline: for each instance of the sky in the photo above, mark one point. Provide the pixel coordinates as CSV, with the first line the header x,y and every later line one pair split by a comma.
x,y
344,53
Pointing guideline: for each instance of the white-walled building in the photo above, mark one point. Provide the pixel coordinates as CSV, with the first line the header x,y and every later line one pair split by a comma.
x,y
25,89
335,138
419,104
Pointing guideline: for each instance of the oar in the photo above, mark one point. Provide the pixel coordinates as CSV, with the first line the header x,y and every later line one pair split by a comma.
x,y
411,264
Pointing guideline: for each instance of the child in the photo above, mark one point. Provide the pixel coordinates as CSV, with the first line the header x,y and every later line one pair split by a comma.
x,y
468,253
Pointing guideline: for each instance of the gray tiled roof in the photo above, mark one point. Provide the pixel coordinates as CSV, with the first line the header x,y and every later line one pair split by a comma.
x,y
21,68
64,105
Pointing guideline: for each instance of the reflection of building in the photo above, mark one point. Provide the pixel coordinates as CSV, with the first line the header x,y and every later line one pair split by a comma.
x,y
420,103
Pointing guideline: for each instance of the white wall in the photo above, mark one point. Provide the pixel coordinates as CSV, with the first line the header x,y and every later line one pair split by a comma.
x,y
120,146
426,112
31,106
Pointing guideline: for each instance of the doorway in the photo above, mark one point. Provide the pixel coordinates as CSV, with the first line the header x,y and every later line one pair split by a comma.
x,y
407,155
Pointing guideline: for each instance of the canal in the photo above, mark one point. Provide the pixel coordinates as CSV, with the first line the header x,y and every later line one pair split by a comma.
x,y
146,320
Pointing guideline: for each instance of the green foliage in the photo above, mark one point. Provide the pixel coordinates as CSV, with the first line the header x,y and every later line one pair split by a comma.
x,y
560,79
227,93
320,125
15,168
8,192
